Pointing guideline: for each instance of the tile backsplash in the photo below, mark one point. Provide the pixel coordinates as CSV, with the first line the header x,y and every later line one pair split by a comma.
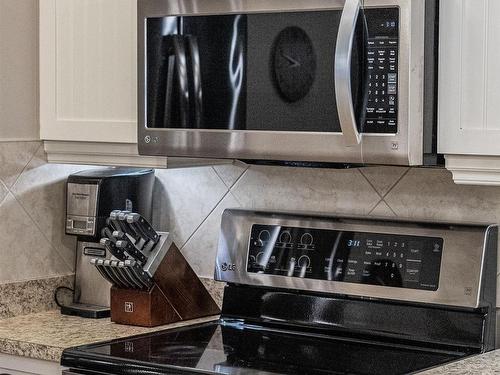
x,y
32,240
189,203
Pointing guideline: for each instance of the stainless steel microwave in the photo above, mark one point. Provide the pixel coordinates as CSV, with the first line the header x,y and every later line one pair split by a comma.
x,y
314,81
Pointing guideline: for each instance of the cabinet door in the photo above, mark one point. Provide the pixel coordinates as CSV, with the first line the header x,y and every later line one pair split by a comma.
x,y
88,70
469,77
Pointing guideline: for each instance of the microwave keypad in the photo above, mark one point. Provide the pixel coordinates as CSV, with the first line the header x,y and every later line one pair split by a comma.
x,y
381,115
355,257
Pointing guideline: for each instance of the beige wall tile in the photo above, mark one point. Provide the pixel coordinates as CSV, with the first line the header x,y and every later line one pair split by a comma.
x,y
229,173
431,194
383,178
3,191
201,249
41,190
14,156
383,210
183,198
26,253
305,189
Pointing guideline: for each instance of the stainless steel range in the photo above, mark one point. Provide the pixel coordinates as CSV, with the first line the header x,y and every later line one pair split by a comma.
x,y
327,294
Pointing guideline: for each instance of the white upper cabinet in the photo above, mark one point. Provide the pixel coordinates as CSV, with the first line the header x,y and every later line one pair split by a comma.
x,y
88,84
88,70
18,70
469,90
88,95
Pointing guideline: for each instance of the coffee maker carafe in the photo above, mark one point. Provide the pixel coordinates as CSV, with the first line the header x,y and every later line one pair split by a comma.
x,y
91,196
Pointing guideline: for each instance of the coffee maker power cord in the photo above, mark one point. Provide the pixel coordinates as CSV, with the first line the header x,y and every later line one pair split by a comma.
x,y
56,294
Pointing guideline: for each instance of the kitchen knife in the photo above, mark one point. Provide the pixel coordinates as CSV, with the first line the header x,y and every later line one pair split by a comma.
x,y
100,268
139,246
107,271
122,283
122,217
131,231
117,252
131,250
117,224
136,284
119,235
108,233
142,227
94,262
141,276
119,271
113,220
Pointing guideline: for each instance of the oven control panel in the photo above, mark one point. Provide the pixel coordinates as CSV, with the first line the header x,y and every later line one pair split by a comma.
x,y
382,50
392,260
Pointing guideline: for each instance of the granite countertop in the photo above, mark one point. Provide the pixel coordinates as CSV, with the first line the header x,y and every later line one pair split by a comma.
x,y
484,364
45,335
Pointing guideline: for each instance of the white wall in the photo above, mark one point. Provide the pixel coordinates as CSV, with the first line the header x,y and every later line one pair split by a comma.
x,y
19,70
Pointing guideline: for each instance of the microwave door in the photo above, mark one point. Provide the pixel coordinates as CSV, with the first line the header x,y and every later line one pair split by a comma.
x,y
265,89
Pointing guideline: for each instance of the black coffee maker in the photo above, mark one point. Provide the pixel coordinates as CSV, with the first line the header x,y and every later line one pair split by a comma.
x,y
91,196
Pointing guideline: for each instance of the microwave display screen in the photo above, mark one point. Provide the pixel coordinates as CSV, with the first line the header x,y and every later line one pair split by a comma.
x,y
354,257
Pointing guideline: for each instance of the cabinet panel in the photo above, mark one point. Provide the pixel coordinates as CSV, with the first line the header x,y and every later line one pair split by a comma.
x,y
469,78
493,72
88,70
473,64
96,60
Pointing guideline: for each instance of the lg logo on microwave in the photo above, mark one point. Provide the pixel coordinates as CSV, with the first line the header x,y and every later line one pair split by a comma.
x,y
148,139
227,267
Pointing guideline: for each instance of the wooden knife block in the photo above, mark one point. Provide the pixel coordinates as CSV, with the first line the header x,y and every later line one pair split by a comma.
x,y
177,294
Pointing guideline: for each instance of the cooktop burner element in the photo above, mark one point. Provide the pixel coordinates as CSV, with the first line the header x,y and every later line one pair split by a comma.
x,y
299,300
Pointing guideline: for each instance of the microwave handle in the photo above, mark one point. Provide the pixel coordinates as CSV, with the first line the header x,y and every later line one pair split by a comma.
x,y
177,60
343,53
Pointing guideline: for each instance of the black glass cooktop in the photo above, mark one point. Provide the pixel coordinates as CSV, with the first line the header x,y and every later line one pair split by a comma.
x,y
234,348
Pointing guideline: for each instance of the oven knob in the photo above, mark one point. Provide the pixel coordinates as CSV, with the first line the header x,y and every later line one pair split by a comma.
x,y
304,261
264,235
306,239
285,237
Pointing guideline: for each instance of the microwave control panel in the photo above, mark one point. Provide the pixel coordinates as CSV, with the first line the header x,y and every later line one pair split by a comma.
x,y
382,50
393,260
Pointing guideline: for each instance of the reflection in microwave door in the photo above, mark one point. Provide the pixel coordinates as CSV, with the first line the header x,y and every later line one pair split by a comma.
x,y
293,62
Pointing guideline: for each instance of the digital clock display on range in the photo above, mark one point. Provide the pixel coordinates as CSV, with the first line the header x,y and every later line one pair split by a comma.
x,y
356,257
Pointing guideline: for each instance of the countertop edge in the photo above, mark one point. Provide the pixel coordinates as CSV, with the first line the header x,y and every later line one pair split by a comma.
x,y
30,350
48,339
